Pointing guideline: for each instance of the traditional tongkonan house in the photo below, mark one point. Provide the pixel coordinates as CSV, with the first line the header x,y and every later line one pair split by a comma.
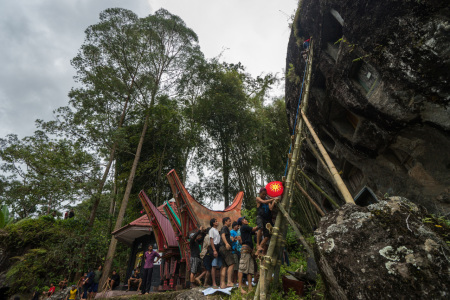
x,y
171,275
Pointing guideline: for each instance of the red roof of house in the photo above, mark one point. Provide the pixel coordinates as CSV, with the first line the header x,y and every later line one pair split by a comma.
x,y
128,233
141,221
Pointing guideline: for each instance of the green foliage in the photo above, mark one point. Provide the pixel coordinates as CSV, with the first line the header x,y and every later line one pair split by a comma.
x,y
297,262
47,250
291,76
4,216
43,172
279,295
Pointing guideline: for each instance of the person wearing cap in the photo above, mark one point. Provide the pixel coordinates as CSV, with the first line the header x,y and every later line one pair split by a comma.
x,y
196,239
235,236
226,253
264,206
214,237
72,294
247,262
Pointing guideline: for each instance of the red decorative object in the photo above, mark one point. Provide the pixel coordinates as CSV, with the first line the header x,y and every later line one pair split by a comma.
x,y
274,188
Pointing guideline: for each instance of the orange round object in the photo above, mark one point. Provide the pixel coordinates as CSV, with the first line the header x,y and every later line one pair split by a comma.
x,y
274,188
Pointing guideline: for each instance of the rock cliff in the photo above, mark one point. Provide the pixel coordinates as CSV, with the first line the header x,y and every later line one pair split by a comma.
x,y
380,97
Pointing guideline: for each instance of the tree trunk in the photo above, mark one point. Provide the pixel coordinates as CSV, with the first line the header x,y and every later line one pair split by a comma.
x,y
112,205
108,166
226,176
126,196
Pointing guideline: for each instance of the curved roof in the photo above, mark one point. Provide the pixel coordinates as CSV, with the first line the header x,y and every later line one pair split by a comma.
x,y
165,236
193,214
128,233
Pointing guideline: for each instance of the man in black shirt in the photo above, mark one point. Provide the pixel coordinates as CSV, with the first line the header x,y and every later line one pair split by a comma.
x,y
196,239
247,263
135,279
115,280
226,253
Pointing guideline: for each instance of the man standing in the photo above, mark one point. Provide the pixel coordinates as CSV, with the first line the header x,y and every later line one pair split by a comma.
x,y
226,254
214,237
235,235
247,263
196,239
87,283
94,287
207,257
149,257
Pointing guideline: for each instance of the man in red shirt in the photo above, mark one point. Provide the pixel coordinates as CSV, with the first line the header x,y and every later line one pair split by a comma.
x,y
51,290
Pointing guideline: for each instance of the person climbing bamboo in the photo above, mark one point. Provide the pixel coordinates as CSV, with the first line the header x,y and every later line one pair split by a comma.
x,y
264,206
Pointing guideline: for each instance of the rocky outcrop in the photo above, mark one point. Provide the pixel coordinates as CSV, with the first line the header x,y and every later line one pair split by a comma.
x,y
388,250
380,95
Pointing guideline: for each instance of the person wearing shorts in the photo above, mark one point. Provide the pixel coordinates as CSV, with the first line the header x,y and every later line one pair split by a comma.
x,y
226,253
196,240
264,206
235,235
94,286
247,263
214,238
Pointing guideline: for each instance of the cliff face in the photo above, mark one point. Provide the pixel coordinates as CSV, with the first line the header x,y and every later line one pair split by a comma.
x,y
380,96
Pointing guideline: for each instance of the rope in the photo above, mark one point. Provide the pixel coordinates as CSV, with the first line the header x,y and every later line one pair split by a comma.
x,y
296,115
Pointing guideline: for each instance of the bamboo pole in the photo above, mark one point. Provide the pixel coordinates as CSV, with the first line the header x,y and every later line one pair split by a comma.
x,y
319,210
317,156
319,189
340,183
297,231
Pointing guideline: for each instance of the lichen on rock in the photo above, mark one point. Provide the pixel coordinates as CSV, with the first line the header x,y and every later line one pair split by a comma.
x,y
393,253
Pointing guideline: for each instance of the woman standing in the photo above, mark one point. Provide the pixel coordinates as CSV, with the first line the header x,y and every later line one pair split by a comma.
x,y
148,269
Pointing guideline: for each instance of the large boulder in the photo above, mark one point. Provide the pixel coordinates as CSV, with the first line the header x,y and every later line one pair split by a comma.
x,y
389,250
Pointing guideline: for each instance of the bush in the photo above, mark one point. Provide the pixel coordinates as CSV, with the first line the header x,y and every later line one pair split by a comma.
x,y
47,250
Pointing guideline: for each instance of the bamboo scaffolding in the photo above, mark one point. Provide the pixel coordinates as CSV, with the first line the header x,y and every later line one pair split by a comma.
x,y
319,210
319,189
340,183
287,196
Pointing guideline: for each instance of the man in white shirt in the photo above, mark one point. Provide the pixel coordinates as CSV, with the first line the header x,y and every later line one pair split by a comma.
x,y
214,237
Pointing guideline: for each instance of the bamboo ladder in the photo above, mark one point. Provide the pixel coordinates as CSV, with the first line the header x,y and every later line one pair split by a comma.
x,y
271,262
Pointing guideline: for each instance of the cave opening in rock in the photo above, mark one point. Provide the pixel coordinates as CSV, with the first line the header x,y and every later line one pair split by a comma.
x,y
364,76
344,121
353,175
332,33
404,159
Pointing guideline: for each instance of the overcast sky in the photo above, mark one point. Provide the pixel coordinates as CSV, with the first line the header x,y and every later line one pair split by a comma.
x,y
38,39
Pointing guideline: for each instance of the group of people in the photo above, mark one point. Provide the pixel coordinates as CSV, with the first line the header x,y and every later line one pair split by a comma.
x,y
232,249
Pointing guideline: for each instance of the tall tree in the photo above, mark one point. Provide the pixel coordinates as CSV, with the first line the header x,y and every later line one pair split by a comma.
x,y
44,173
228,111
168,45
